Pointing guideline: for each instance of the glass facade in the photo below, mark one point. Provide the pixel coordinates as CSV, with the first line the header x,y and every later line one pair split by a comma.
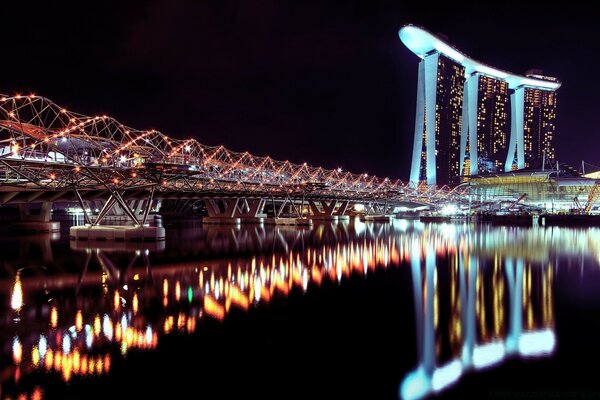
x,y
448,118
542,189
539,126
492,124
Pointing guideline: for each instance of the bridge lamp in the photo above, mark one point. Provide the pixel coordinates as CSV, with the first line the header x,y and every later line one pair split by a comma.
x,y
123,158
187,148
339,169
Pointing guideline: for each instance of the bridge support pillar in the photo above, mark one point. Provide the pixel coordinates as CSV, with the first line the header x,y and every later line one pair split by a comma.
x,y
139,232
37,222
376,211
327,211
234,210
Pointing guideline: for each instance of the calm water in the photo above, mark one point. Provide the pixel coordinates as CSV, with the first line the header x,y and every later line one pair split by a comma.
x,y
346,310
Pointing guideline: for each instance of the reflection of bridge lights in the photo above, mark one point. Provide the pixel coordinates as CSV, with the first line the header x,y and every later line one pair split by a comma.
x,y
78,321
16,299
66,344
17,350
42,346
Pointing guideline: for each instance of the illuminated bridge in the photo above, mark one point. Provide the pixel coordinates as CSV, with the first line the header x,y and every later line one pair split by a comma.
x,y
50,154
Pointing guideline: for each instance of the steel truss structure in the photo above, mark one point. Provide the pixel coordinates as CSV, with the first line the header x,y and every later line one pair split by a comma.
x,y
45,147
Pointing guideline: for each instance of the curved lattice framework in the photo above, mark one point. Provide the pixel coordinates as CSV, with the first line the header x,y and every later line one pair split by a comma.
x,y
45,146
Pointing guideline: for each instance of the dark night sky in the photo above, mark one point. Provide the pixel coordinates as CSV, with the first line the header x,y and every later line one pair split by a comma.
x,y
328,83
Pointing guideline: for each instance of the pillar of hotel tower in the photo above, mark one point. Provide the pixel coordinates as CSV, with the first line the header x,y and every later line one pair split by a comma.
x,y
515,146
423,157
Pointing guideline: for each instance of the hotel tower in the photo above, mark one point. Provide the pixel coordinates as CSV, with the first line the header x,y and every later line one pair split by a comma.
x,y
474,119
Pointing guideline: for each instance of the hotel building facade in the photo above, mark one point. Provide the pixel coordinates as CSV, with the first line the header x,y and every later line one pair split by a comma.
x,y
474,119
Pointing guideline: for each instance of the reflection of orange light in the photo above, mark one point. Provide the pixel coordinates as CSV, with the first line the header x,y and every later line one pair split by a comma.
x,y
316,275
165,287
181,321
129,336
118,331
17,348
84,365
191,325
78,321
16,299
67,368
106,363
177,291
37,393
213,308
53,317
76,361
35,356
281,285
117,300
265,294
168,325
134,303
99,366
97,325
58,360
49,358
238,297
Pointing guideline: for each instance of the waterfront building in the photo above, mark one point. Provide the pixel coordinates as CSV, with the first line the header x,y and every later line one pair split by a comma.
x,y
463,110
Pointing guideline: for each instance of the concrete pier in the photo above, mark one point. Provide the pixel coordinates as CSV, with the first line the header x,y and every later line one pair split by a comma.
x,y
117,233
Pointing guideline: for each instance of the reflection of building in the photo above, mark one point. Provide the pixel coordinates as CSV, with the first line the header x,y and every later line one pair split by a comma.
x,y
461,125
466,309
483,328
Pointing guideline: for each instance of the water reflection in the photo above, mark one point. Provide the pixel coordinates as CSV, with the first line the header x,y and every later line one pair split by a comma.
x,y
495,310
481,295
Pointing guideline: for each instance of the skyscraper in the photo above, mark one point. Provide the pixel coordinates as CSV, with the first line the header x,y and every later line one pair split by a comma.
x,y
539,126
492,124
462,115
533,144
438,140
